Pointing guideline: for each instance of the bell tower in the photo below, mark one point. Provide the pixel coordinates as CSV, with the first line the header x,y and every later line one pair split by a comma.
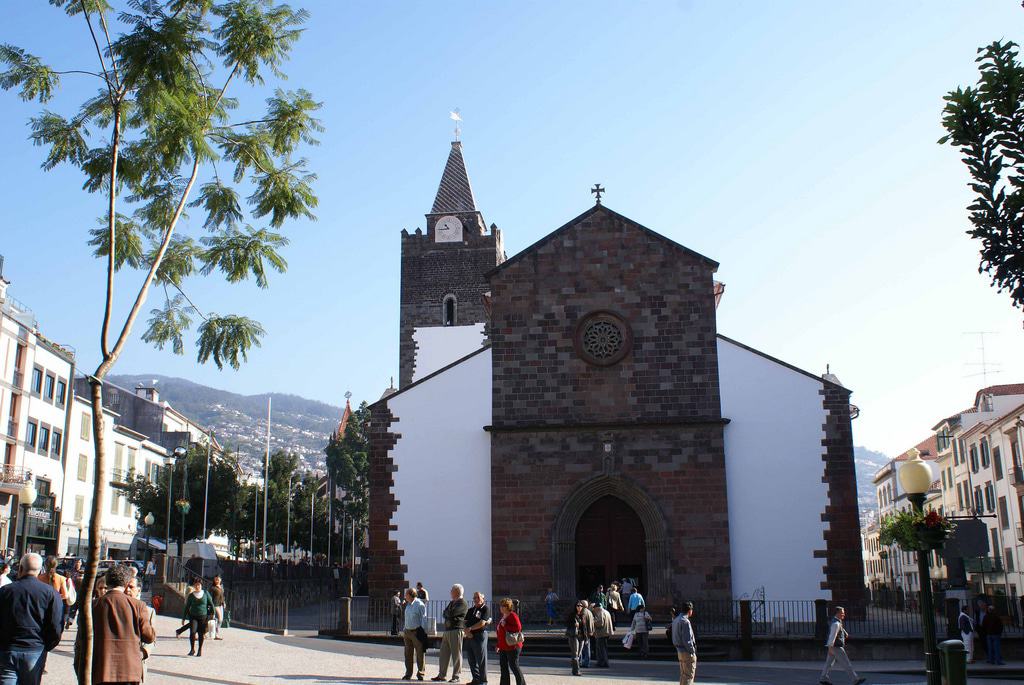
x,y
442,313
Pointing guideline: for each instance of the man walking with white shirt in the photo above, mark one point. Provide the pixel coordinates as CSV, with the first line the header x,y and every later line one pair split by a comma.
x,y
836,644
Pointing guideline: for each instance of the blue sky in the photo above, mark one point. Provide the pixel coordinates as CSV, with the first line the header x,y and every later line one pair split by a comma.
x,y
793,142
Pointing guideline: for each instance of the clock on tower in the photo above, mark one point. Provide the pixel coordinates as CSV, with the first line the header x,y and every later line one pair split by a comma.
x,y
448,229
443,282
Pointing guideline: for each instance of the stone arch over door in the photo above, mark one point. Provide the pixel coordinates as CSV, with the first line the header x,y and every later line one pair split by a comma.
x,y
563,535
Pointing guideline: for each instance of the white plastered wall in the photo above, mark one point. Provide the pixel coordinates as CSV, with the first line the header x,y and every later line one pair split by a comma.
x,y
439,346
443,478
774,467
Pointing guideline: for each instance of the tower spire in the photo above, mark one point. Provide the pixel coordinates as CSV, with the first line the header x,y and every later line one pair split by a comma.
x,y
454,194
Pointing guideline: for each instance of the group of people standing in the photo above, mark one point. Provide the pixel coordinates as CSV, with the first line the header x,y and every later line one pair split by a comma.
x,y
34,612
588,626
38,606
987,626
465,630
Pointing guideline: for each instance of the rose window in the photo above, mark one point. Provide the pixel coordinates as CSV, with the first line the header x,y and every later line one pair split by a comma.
x,y
602,338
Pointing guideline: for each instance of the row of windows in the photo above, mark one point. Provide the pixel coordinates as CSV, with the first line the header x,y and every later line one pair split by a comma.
x,y
45,439
49,386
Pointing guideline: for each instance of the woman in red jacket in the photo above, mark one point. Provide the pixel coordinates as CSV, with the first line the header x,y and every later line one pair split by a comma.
x,y
510,648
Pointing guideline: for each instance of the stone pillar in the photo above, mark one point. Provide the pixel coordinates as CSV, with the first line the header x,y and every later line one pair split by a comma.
x,y
953,618
746,630
345,620
820,619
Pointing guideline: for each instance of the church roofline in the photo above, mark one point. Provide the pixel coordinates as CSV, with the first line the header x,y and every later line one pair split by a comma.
x,y
426,378
593,210
789,366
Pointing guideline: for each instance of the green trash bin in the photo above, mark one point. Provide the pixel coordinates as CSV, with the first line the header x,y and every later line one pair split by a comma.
x,y
954,662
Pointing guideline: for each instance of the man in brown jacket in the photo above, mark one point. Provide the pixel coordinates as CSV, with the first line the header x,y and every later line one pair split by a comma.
x,y
120,625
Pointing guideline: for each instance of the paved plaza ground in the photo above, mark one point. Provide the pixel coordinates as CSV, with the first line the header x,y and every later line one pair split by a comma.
x,y
250,657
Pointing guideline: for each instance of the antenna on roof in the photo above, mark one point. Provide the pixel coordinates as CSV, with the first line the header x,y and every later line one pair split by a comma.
x,y
986,366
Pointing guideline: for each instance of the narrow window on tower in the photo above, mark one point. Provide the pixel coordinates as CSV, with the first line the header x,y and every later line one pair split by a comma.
x,y
450,311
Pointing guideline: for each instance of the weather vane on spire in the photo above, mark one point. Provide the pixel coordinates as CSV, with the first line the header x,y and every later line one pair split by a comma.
x,y
456,116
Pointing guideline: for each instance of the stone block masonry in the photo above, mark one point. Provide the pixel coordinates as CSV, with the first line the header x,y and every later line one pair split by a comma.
x,y
387,572
844,564
646,428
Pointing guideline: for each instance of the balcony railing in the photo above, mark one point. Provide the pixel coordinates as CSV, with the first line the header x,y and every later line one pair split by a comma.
x,y
984,565
12,474
12,429
17,379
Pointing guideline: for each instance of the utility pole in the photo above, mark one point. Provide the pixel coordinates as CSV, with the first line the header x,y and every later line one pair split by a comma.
x,y
266,481
206,497
288,528
330,516
255,518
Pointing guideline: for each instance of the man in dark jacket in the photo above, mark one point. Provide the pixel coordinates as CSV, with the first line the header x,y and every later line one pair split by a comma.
x,y
31,621
451,639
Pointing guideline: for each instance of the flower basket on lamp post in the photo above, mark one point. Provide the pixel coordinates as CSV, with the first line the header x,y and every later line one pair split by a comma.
x,y
183,505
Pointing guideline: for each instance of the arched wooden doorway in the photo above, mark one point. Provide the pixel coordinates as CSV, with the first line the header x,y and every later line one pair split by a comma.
x,y
655,567
610,545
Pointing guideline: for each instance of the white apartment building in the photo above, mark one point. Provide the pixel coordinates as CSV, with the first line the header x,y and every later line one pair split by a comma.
x,y
130,454
980,458
35,400
978,455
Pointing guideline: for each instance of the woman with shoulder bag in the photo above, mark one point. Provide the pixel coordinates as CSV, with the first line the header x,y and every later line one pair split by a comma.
x,y
198,612
510,643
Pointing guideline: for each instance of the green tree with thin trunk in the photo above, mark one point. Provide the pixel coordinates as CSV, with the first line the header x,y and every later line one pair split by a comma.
x,y
986,122
152,142
349,463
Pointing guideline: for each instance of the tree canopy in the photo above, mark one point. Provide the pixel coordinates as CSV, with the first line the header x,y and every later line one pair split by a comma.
x,y
986,122
156,139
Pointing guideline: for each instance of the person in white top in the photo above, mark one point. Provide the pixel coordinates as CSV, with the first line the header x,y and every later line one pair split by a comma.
x,y
5,570
836,643
966,625
641,626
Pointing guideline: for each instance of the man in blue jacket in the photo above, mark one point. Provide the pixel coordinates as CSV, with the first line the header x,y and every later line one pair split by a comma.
x,y
31,622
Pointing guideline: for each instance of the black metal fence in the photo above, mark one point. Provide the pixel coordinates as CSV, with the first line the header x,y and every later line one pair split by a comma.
x,y
711,618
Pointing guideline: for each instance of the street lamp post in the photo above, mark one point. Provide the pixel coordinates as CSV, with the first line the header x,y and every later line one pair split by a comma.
x,y
26,498
916,479
148,520
179,452
80,528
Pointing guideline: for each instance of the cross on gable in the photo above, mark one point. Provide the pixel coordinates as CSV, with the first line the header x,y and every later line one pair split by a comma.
x,y
597,190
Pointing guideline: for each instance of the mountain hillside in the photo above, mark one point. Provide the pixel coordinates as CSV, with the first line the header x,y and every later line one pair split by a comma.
x,y
239,421
868,462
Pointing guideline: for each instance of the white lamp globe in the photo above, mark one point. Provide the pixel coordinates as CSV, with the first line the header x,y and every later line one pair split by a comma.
x,y
27,496
915,475
149,519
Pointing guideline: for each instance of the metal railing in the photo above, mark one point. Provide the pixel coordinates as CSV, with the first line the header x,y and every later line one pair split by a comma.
x,y
12,474
713,618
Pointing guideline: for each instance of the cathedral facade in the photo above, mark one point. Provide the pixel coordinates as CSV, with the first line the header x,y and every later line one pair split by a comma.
x,y
571,415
